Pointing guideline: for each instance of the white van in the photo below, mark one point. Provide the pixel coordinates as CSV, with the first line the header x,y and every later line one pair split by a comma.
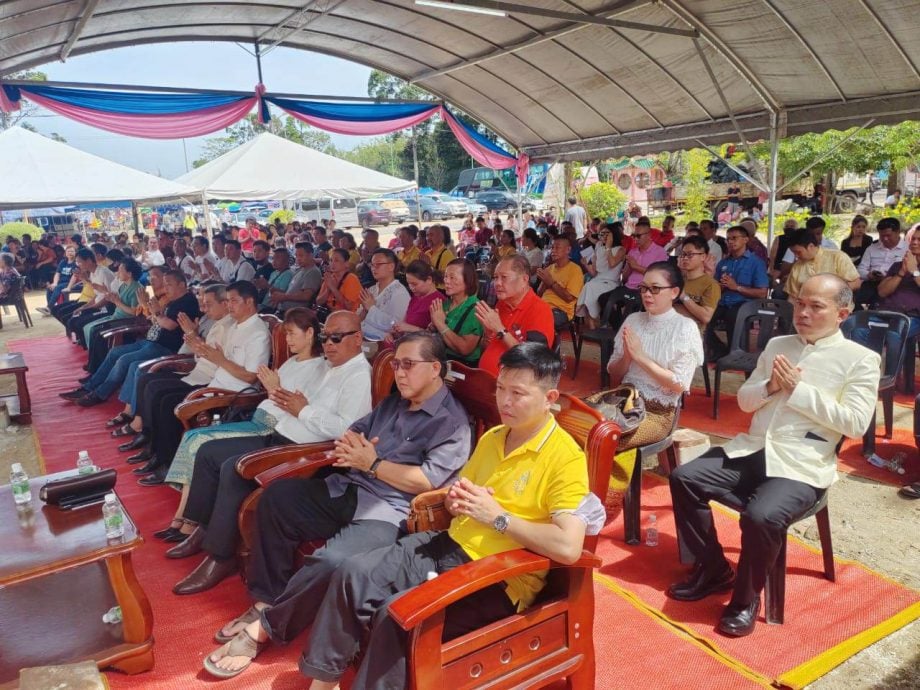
x,y
343,211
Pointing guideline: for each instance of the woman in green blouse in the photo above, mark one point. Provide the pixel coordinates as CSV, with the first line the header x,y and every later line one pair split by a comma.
x,y
125,300
454,318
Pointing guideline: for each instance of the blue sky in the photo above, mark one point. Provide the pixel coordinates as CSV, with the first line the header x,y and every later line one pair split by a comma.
x,y
192,65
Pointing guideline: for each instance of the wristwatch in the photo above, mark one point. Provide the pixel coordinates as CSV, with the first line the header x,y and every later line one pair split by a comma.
x,y
685,298
916,274
372,470
500,334
500,524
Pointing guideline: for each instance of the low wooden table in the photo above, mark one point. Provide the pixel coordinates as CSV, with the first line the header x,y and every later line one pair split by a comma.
x,y
58,576
15,364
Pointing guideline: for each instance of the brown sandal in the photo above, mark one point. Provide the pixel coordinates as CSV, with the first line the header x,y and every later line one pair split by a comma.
x,y
241,645
251,615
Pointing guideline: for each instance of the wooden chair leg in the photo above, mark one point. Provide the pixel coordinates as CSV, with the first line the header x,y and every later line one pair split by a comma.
x,y
827,545
632,502
775,590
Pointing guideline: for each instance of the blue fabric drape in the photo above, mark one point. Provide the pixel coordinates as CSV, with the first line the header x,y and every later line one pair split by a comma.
x,y
353,112
127,103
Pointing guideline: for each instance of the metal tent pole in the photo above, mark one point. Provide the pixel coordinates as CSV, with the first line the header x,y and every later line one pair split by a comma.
x,y
772,179
209,231
418,203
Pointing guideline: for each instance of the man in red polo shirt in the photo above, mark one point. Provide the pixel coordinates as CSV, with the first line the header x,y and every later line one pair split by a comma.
x,y
518,316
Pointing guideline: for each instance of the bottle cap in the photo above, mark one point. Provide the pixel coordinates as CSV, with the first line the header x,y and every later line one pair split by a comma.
x,y
83,454
16,467
111,498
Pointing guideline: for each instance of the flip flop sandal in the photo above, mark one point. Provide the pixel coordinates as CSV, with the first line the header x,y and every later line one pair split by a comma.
x,y
251,615
125,430
911,490
241,645
122,418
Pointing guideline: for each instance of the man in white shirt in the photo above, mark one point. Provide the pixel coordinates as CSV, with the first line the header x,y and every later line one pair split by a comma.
x,y
577,217
218,491
708,231
878,258
384,303
808,391
206,261
98,275
152,256
184,261
235,266
246,346
816,226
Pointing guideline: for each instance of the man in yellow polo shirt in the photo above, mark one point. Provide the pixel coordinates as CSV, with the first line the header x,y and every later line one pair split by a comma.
x,y
409,252
811,259
520,488
561,282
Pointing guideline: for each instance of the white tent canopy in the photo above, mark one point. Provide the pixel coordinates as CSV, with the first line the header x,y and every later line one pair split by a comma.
x,y
38,171
269,167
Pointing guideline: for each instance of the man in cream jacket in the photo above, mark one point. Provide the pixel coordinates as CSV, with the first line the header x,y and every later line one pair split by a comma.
x,y
809,390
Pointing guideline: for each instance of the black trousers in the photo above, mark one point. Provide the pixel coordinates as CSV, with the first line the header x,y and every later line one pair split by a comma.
x,y
76,323
99,346
773,503
297,510
157,396
727,315
217,491
62,312
357,601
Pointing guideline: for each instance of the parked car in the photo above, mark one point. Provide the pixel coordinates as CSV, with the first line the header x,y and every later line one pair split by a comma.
x,y
457,206
477,209
373,212
343,211
399,212
496,200
431,209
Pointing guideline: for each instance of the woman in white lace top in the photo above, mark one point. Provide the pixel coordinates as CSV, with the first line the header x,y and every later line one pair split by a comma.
x,y
657,351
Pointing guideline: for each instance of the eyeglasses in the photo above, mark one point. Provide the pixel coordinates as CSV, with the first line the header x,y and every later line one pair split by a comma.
x,y
334,337
378,264
654,289
687,255
407,364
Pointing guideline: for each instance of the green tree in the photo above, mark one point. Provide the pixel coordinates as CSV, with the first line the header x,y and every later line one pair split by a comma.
x,y
26,109
383,154
19,228
387,87
250,127
696,179
602,200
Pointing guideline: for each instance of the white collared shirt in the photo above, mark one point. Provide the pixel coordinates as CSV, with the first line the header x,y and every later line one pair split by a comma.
x,y
248,345
391,305
879,258
336,398
218,335
799,431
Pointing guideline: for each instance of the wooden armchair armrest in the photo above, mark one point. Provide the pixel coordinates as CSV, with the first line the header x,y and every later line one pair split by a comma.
x,y
195,402
304,468
251,465
430,598
180,363
137,329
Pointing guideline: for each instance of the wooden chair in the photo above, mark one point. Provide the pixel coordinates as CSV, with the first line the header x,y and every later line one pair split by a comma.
x,y
770,318
553,639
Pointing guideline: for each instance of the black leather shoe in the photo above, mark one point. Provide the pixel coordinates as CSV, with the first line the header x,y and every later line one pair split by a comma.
x,y
90,400
85,379
739,621
75,394
167,532
703,582
149,466
208,574
138,441
141,456
151,480
189,546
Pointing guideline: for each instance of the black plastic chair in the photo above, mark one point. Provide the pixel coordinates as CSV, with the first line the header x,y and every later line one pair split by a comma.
x,y
879,325
576,343
772,318
17,299
909,367
632,500
616,309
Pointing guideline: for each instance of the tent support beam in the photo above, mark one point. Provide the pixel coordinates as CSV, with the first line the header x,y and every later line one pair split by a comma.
x,y
777,125
88,9
209,231
731,116
826,154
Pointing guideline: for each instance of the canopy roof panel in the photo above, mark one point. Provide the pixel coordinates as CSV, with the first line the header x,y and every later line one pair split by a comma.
x,y
567,85
42,172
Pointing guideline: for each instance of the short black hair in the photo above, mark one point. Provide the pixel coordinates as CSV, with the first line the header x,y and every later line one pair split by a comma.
x,y
696,241
244,289
889,224
132,267
675,277
202,241
306,246
389,254
233,243
432,346
98,248
262,243
815,223
343,253
738,228
176,275
86,255
803,238
537,358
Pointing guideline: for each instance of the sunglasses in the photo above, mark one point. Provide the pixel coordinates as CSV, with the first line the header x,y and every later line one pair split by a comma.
x,y
334,337
654,289
407,364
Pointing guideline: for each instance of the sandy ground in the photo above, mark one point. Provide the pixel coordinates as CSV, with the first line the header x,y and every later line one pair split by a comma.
x,y
869,524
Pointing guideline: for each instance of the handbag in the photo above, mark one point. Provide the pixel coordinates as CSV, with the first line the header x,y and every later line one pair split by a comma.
x,y
237,413
621,405
428,512
82,488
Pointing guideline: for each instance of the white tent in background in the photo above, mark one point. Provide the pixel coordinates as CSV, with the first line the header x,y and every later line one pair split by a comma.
x,y
269,167
38,171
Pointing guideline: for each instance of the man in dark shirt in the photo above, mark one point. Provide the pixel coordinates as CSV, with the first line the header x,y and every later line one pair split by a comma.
x,y
412,442
164,338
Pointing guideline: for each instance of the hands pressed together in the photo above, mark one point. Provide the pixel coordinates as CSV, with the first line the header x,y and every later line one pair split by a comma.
x,y
477,502
785,376
354,450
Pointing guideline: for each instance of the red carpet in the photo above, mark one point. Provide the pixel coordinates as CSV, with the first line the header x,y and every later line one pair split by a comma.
x,y
819,615
642,649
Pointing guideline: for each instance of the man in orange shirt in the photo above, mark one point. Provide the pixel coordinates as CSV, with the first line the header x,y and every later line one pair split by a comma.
x,y
519,315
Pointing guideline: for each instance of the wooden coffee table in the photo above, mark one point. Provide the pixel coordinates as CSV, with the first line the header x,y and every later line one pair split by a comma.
x,y
15,364
58,576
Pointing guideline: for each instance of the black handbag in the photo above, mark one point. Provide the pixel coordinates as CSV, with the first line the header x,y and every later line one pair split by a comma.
x,y
238,413
622,405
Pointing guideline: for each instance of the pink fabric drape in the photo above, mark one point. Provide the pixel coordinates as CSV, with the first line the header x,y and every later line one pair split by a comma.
x,y
363,128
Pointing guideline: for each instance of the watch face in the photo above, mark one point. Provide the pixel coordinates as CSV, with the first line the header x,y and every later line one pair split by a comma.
x,y
501,523
916,274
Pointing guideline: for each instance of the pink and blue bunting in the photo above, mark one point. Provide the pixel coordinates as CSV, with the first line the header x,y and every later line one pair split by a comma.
x,y
178,115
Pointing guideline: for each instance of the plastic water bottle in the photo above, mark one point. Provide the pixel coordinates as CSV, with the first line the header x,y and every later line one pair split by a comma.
x,y
894,465
113,615
113,517
651,532
84,463
19,482
215,420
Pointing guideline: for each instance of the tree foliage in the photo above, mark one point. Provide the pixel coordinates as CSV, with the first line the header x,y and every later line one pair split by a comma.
x,y
26,109
696,180
18,228
603,200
